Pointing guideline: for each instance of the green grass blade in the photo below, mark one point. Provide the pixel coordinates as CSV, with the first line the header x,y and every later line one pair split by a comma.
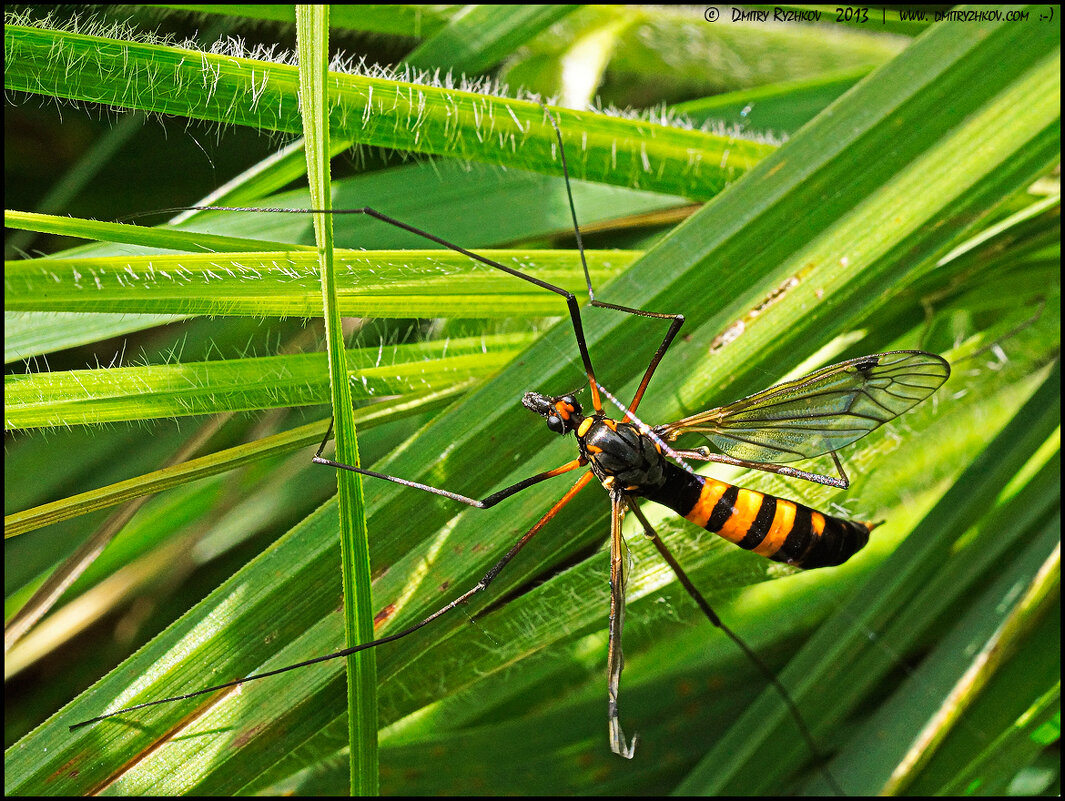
x,y
395,283
312,42
479,37
86,397
219,462
376,111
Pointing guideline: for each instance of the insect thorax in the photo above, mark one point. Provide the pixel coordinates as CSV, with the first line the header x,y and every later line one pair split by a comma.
x,y
620,455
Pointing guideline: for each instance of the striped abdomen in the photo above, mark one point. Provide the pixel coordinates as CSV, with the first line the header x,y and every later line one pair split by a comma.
x,y
782,530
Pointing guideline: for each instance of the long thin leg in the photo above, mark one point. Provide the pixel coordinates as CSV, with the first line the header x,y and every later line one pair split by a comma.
x,y
712,616
703,454
571,299
678,319
485,503
487,579
619,576
674,327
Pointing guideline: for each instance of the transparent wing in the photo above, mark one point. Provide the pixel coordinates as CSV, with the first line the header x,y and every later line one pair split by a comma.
x,y
821,412
619,577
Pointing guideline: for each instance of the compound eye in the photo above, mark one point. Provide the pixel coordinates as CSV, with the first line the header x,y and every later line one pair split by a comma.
x,y
554,422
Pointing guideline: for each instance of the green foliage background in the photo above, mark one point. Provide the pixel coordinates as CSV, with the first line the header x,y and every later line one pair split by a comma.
x,y
866,187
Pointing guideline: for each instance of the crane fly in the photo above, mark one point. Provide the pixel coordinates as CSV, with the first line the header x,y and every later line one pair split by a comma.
x,y
815,415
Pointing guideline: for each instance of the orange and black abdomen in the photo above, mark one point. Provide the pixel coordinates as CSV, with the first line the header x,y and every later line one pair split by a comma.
x,y
782,530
